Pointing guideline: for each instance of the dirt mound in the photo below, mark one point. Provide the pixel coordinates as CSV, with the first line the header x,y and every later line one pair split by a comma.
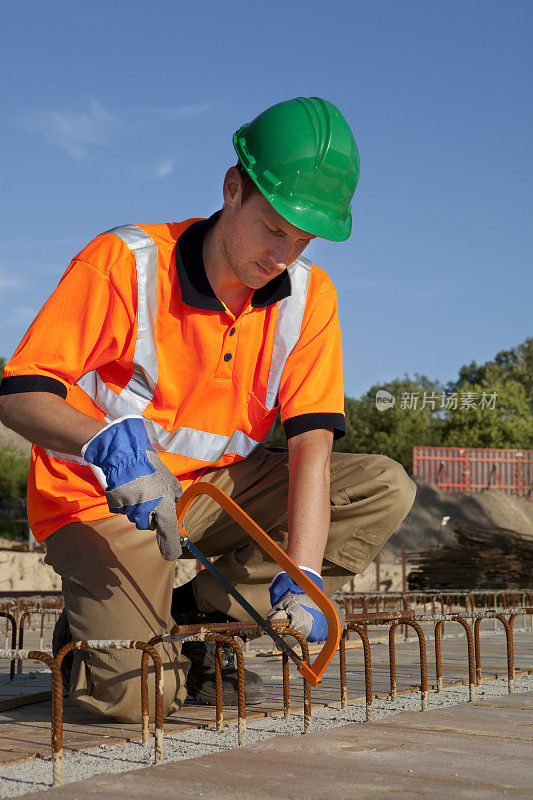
x,y
422,527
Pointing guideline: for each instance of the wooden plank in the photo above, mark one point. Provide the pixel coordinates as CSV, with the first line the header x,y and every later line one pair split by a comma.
x,y
495,722
15,701
362,761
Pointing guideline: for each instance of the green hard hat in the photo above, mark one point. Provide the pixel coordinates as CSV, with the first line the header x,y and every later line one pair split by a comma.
x,y
302,156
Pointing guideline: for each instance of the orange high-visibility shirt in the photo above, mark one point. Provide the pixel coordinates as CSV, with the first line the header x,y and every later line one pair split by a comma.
x,y
116,338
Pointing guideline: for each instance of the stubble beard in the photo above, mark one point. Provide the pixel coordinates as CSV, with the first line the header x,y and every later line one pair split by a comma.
x,y
248,275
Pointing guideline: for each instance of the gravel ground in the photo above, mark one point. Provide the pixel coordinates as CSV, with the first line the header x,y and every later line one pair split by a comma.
x,y
35,775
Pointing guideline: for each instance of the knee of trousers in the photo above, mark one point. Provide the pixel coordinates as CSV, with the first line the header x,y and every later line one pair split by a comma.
x,y
370,498
109,683
386,482
401,487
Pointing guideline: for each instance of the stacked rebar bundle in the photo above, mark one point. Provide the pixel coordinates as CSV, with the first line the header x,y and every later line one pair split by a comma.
x,y
481,558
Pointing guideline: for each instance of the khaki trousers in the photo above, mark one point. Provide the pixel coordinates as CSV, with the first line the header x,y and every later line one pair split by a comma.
x,y
117,586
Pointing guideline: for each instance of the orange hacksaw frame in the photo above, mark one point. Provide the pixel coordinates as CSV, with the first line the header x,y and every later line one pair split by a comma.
x,y
311,672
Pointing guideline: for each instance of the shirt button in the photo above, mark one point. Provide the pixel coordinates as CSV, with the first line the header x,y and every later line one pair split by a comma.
x,y
232,331
227,356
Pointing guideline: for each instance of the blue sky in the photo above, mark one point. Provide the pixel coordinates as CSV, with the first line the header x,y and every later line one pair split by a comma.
x,y
122,112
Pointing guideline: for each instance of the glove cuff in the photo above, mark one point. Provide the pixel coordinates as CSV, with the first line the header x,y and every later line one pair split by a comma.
x,y
307,570
283,584
121,440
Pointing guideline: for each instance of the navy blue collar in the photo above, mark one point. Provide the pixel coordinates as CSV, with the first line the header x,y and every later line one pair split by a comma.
x,y
196,290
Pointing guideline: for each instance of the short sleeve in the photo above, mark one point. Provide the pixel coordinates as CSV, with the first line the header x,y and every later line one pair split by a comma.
x,y
311,392
86,322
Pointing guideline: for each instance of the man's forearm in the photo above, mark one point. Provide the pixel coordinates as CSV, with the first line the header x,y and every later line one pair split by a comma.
x,y
309,509
48,420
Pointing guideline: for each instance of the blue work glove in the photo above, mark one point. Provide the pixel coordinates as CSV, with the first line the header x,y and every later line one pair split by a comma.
x,y
288,600
135,480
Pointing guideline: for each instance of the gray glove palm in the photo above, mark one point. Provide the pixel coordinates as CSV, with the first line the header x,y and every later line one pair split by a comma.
x,y
289,600
303,613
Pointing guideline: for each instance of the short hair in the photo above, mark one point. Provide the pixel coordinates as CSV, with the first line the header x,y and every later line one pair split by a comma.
x,y
247,184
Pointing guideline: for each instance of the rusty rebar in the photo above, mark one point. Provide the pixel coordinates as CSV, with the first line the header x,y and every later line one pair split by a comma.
x,y
472,644
10,619
26,614
405,608
510,652
149,650
423,661
355,623
286,685
56,704
130,644
219,706
221,640
307,686
477,648
56,713
471,658
423,664
368,668
342,667
392,661
24,617
438,661
145,711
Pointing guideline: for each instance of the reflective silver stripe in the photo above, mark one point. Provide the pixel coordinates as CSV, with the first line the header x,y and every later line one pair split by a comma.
x,y
114,405
187,442
139,392
67,457
200,445
288,324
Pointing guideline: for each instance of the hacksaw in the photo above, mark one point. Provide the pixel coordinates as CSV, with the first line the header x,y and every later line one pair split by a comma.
x,y
311,672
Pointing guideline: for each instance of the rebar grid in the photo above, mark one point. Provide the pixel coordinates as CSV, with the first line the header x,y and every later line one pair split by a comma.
x,y
466,598
223,633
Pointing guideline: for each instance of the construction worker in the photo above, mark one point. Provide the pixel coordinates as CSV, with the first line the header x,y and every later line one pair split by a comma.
x,y
163,357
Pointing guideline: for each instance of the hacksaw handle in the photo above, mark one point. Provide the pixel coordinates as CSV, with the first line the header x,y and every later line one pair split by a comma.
x,y
311,672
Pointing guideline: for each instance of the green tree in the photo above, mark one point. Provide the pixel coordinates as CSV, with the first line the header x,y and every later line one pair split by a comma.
x,y
516,363
508,424
2,365
396,430
13,480
13,473
393,432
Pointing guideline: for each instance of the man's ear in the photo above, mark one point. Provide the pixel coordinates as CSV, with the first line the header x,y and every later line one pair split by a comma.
x,y
232,188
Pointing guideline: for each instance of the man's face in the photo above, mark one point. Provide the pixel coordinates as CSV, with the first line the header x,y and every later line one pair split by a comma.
x,y
258,243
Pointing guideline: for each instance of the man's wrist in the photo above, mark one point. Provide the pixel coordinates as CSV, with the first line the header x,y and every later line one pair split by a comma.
x,y
303,568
